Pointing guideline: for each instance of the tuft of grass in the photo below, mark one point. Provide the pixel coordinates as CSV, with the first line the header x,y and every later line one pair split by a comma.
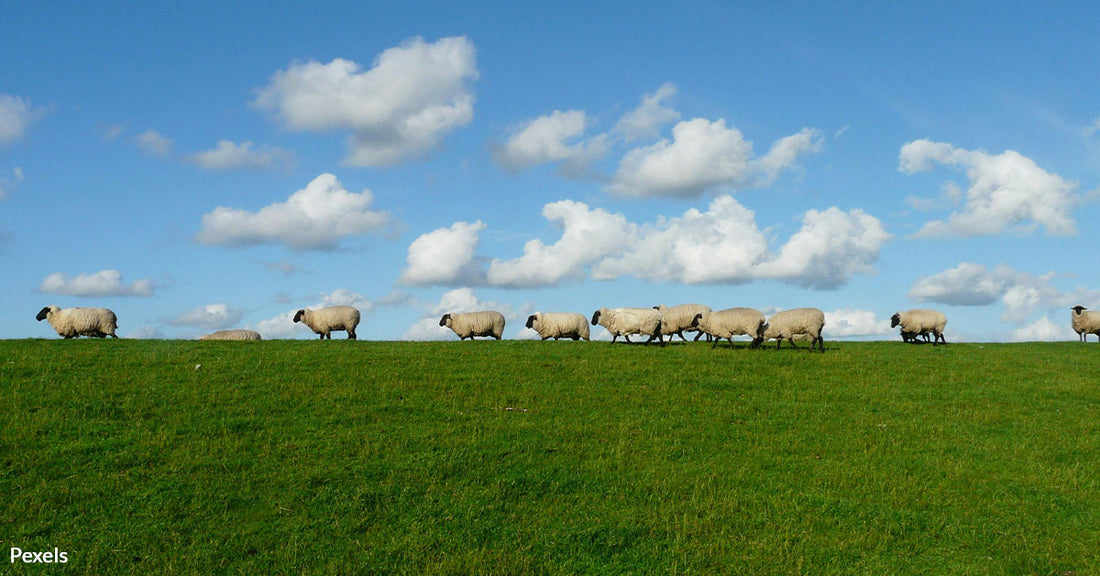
x,y
517,457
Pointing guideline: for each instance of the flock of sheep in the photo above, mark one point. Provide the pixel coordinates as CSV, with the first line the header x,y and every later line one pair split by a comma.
x,y
656,323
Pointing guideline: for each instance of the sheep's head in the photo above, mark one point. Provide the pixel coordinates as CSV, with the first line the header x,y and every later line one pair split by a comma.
x,y
445,320
1076,310
596,317
531,320
298,316
697,320
43,313
895,320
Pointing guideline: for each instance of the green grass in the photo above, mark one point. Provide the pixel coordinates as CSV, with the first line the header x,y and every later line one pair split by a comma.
x,y
305,457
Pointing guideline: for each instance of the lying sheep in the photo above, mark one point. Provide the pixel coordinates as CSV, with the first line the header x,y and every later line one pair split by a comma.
x,y
74,322
232,335
731,322
328,320
789,324
920,323
559,325
676,319
1085,323
470,324
626,321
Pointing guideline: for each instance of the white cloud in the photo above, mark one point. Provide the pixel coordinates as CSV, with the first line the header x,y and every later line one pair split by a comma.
x,y
101,284
209,317
16,116
314,218
445,256
554,138
645,121
1007,192
1044,330
8,185
230,156
587,236
1022,294
402,108
832,246
722,244
848,322
154,143
703,156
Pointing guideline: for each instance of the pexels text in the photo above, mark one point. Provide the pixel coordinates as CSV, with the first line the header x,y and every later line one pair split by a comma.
x,y
56,556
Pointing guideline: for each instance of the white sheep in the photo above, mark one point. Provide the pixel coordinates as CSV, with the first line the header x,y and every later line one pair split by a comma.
x,y
325,321
232,335
789,324
470,324
732,322
1085,323
626,321
676,319
920,323
559,325
74,322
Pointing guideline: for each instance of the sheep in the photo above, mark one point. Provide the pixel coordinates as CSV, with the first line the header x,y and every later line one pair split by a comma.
x,y
626,321
232,335
676,319
1085,323
470,324
920,322
559,325
74,322
789,324
328,320
731,322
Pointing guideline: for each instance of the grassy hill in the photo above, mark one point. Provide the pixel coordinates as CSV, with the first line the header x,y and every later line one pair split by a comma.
x,y
520,457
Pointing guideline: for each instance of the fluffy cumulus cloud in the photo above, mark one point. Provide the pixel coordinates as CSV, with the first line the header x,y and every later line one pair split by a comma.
x,y
847,322
209,317
314,218
704,156
1007,192
1044,330
558,137
645,121
587,236
16,116
445,256
831,246
1022,294
100,284
228,155
414,95
154,143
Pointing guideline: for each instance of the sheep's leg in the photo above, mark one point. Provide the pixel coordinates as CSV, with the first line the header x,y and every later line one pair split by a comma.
x,y
796,346
627,338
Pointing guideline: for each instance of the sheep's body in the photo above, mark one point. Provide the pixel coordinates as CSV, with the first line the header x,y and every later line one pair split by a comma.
x,y
74,322
232,335
325,321
626,321
470,324
676,319
559,325
1085,323
789,324
916,323
732,322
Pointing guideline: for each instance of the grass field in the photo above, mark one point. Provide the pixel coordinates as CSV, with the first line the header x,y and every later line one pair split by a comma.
x,y
520,457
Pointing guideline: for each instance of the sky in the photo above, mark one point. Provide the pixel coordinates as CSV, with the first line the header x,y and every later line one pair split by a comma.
x,y
208,166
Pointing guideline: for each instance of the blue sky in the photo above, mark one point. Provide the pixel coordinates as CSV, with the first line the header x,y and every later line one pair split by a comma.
x,y
216,166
